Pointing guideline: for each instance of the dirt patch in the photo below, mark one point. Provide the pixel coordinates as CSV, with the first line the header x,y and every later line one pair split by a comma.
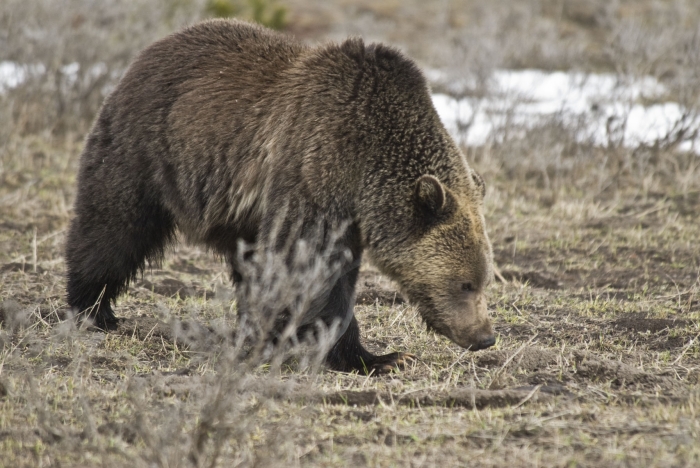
x,y
170,287
530,360
533,278
640,323
24,267
124,431
179,385
624,221
145,328
616,266
13,315
184,266
687,204
461,397
183,331
659,334
14,226
547,380
618,373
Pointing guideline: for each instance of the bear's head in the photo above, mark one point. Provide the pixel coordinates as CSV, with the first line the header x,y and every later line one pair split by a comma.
x,y
445,263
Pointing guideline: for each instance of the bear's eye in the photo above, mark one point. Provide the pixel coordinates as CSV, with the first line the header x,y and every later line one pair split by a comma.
x,y
467,287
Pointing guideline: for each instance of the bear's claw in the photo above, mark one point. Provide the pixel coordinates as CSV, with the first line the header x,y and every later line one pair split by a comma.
x,y
390,362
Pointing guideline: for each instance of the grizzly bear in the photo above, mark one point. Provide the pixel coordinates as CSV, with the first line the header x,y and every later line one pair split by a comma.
x,y
223,128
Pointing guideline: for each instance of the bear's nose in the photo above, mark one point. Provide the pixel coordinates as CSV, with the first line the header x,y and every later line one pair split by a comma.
x,y
487,342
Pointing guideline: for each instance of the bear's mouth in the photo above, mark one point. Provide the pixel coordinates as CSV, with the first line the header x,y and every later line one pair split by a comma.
x,y
471,341
433,324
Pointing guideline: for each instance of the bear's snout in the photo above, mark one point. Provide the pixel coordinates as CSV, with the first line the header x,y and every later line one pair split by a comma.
x,y
470,326
473,340
484,343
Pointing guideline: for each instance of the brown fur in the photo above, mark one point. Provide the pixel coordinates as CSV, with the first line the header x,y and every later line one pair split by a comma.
x,y
223,127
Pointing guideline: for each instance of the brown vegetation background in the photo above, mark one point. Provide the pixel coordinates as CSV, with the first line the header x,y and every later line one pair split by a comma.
x,y
598,357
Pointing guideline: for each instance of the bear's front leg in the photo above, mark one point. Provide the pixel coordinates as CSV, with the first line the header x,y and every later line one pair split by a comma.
x,y
349,355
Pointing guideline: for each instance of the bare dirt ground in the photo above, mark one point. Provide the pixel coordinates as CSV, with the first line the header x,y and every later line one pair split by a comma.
x,y
597,361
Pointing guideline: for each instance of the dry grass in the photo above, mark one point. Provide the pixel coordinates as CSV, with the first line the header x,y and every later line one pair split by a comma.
x,y
598,357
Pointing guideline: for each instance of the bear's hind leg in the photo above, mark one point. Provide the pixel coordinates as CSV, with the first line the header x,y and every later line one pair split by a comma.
x,y
107,245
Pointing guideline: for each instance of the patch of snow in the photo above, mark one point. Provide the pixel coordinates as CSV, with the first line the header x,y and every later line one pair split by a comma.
x,y
13,74
602,106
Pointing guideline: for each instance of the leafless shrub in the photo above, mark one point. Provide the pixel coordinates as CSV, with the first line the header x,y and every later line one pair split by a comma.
x,y
634,51
669,54
72,52
591,13
474,56
276,297
280,286
549,157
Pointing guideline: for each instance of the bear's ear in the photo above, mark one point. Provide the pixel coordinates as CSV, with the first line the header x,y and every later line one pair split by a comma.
x,y
479,181
430,194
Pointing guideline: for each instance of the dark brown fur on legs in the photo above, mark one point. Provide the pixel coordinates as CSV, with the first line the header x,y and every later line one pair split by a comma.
x,y
110,239
348,355
220,129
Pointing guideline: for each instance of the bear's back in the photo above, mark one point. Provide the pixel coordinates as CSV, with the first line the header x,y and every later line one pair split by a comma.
x,y
211,57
